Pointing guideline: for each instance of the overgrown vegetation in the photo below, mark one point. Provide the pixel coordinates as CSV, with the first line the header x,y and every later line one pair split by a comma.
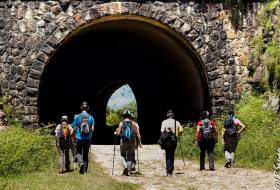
x,y
114,117
266,49
29,161
258,143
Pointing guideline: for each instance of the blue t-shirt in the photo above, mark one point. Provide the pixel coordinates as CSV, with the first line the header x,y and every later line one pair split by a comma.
x,y
76,125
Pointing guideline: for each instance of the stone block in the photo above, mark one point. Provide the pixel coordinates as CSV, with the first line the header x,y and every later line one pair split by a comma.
x,y
218,83
144,9
41,56
133,8
47,49
79,19
115,8
104,9
214,74
32,83
38,65
12,85
198,43
34,74
207,58
210,66
216,92
32,92
20,85
52,42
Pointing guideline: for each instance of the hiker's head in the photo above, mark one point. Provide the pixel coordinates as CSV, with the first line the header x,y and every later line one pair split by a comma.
x,y
170,114
231,113
205,114
64,118
84,106
126,114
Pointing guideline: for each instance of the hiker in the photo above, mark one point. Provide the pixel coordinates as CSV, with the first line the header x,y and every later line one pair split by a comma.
x,y
206,137
63,134
128,130
230,137
83,126
171,126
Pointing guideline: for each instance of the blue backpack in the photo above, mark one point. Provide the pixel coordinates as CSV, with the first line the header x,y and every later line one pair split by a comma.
x,y
229,126
127,131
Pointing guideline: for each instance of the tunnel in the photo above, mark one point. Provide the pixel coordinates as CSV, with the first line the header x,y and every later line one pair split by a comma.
x,y
162,69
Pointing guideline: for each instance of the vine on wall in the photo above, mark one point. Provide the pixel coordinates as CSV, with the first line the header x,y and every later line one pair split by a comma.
x,y
265,53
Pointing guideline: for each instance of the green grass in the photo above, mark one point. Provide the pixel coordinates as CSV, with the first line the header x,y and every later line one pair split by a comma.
x,y
51,180
29,161
258,143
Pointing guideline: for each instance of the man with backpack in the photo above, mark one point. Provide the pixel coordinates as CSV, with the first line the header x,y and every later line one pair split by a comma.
x,y
128,130
83,126
173,129
63,134
206,137
230,137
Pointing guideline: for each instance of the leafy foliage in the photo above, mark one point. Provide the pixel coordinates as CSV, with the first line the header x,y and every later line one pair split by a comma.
x,y
114,117
23,151
258,142
266,49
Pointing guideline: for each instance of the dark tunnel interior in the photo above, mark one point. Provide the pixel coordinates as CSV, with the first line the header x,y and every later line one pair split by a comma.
x,y
161,71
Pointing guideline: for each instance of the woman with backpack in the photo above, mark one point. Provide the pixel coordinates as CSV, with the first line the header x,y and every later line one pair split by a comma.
x,y
63,134
230,137
206,137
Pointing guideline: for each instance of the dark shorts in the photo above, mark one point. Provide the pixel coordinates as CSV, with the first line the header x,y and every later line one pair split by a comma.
x,y
231,143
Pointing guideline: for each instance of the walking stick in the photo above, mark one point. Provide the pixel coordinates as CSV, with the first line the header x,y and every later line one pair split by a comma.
x,y
138,161
114,155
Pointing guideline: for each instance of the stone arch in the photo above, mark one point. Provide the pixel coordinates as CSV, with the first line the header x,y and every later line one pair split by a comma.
x,y
195,35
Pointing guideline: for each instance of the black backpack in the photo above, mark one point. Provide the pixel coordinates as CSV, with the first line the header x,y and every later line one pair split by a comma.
x,y
229,126
207,129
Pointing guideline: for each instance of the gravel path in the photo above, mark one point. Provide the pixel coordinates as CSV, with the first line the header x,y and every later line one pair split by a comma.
x,y
153,176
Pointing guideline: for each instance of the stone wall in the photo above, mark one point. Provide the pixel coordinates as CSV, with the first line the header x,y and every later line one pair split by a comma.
x,y
31,31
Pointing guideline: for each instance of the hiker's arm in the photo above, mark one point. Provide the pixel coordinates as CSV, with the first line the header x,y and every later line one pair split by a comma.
x,y
223,136
242,127
93,125
138,134
118,130
197,132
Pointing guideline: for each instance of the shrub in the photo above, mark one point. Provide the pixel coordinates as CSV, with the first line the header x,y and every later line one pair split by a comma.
x,y
22,151
258,142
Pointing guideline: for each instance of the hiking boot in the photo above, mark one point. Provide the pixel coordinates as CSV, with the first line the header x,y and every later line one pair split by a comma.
x,y
133,169
212,169
61,171
201,169
169,174
81,169
228,164
125,172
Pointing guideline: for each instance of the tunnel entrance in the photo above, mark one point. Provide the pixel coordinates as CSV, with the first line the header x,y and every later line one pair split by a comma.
x,y
162,70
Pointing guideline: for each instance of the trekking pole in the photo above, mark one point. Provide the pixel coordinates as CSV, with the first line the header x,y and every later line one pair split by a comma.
x,y
182,152
114,155
138,161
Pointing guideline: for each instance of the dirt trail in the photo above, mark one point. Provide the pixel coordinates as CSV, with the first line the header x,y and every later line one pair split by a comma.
x,y
153,175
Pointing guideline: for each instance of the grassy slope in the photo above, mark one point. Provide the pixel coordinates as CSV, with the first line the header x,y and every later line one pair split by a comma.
x,y
51,180
26,162
258,143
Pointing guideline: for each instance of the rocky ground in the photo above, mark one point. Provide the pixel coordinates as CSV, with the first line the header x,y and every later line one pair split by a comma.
x,y
152,175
